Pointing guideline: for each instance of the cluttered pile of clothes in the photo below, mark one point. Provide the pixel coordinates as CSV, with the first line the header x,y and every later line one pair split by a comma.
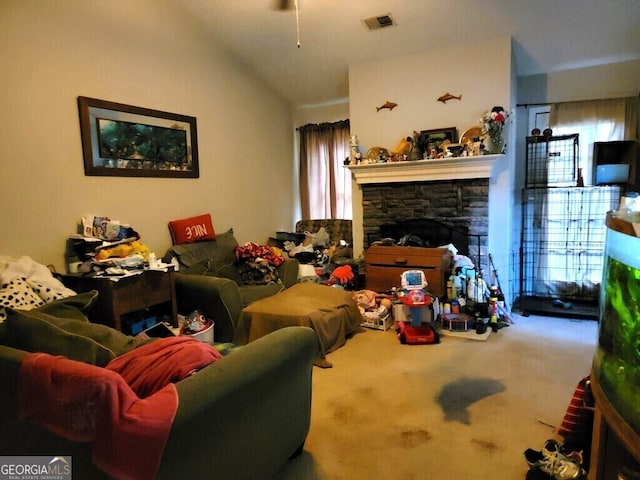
x,y
322,260
107,246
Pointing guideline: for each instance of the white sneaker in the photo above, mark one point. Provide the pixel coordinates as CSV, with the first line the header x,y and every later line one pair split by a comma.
x,y
554,463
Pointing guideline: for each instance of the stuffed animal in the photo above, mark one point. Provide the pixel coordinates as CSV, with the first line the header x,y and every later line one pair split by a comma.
x,y
343,274
124,250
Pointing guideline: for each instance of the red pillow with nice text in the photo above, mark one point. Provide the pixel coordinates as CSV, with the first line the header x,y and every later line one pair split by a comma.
x,y
193,229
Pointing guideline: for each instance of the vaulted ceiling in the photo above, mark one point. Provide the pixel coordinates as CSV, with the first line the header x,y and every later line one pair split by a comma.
x,y
548,35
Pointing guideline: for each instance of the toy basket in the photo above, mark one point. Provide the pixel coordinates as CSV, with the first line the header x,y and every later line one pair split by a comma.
x,y
379,320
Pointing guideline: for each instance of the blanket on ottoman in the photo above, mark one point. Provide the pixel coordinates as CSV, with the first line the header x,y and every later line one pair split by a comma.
x,y
329,311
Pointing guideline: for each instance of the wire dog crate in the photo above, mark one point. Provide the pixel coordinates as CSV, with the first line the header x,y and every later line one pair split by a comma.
x,y
551,161
562,244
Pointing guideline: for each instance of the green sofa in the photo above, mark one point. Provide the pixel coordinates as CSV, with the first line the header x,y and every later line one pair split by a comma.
x,y
208,280
241,417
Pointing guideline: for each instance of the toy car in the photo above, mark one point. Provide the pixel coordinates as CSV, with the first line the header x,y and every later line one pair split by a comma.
x,y
412,335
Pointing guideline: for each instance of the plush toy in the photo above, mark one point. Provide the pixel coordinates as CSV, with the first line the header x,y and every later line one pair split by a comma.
x,y
124,250
386,303
365,299
343,274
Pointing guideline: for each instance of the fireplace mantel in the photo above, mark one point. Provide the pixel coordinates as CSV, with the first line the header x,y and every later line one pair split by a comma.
x,y
452,168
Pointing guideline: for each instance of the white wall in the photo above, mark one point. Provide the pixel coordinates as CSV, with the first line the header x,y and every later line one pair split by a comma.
x,y
482,73
147,53
604,81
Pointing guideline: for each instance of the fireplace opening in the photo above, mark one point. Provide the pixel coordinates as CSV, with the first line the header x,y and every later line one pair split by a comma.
x,y
438,212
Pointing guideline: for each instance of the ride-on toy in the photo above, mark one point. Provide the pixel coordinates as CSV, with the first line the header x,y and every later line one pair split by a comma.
x,y
414,284
422,335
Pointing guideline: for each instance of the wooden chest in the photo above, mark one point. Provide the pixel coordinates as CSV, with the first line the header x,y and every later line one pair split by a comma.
x,y
384,266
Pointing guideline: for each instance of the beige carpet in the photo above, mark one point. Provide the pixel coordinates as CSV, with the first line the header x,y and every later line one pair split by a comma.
x,y
461,409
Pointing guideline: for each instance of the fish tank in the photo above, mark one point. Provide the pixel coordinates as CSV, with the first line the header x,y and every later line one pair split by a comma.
x,y
616,363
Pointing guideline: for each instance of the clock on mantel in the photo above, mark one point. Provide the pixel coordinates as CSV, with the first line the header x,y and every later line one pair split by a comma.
x,y
450,168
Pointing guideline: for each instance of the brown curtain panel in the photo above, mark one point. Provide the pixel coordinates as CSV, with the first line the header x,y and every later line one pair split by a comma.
x,y
325,184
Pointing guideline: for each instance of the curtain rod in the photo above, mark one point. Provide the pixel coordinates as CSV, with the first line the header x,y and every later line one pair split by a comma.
x,y
527,105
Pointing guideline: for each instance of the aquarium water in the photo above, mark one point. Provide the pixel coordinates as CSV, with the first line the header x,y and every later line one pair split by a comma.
x,y
617,359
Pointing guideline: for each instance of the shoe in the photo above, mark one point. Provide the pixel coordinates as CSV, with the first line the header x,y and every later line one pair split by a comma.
x,y
554,463
552,447
481,328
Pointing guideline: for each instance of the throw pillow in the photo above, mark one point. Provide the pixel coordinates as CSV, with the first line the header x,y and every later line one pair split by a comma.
x,y
193,229
18,294
168,360
47,293
33,331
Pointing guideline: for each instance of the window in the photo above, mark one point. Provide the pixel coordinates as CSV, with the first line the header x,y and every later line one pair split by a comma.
x,y
325,184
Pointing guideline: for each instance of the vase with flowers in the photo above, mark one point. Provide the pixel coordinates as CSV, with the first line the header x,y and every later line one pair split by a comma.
x,y
493,123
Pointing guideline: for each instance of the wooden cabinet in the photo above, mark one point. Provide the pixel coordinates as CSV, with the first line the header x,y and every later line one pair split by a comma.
x,y
149,289
384,266
615,446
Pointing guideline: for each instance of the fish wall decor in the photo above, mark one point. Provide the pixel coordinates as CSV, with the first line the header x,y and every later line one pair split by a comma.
x,y
388,104
447,96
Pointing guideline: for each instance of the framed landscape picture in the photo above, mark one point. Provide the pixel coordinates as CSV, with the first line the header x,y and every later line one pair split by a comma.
x,y
123,140
428,139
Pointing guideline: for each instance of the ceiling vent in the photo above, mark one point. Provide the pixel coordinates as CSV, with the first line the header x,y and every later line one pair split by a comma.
x,y
380,21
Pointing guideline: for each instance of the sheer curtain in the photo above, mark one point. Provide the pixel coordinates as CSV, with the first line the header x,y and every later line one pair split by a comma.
x,y
595,121
325,184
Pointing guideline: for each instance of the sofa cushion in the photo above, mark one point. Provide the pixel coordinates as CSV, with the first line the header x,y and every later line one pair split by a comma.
x,y
61,328
35,331
74,307
213,257
193,229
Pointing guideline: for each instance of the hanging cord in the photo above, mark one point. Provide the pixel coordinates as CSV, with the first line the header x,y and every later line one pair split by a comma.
x,y
297,23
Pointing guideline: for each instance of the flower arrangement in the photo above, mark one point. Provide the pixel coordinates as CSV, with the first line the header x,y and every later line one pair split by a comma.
x,y
492,125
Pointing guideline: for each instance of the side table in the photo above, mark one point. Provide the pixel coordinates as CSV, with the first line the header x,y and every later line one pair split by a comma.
x,y
119,296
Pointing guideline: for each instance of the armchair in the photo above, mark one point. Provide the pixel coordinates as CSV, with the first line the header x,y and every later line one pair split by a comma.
x,y
209,281
338,229
339,249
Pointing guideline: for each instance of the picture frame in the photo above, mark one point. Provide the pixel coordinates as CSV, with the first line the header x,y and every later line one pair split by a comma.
x,y
428,139
126,141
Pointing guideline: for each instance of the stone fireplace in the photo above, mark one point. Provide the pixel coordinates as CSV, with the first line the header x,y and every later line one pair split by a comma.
x,y
454,191
461,204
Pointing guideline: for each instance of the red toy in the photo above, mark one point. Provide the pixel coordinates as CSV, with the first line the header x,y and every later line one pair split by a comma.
x,y
422,335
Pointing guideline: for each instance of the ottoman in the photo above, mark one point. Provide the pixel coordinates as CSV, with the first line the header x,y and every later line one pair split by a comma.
x,y
329,311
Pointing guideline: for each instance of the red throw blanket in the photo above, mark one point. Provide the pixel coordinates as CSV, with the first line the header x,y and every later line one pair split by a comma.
x,y
86,403
150,367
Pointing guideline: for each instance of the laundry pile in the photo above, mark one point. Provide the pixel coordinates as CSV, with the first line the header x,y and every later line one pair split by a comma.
x,y
109,246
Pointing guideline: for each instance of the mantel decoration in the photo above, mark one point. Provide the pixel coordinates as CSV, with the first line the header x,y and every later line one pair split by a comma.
x,y
430,141
492,126
122,140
